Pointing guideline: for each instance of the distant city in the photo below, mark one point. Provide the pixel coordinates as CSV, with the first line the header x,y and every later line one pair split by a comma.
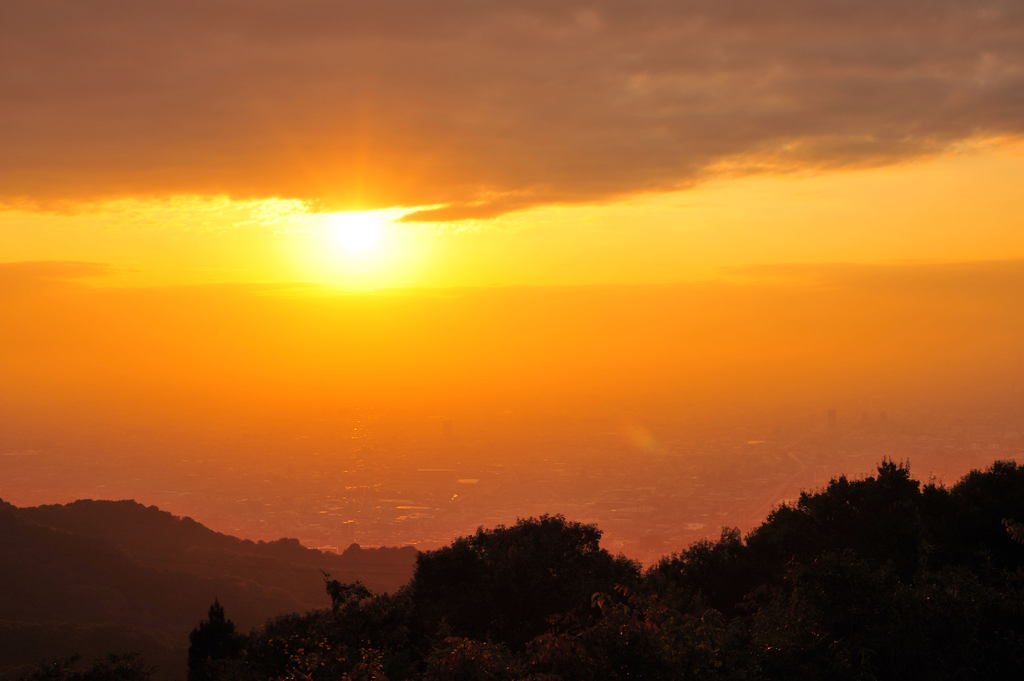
x,y
652,488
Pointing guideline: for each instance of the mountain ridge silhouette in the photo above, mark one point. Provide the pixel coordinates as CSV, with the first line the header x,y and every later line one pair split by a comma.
x,y
78,576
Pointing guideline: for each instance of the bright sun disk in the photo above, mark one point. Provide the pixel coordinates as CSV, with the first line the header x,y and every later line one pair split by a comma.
x,y
358,234
354,249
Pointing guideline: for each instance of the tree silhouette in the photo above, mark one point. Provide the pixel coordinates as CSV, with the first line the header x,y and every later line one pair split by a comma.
x,y
211,644
503,584
344,595
878,578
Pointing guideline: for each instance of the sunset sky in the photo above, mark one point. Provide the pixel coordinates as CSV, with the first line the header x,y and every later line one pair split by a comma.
x,y
235,221
506,143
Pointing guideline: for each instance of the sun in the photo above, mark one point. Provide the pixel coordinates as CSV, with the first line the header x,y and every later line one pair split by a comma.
x,y
355,249
358,235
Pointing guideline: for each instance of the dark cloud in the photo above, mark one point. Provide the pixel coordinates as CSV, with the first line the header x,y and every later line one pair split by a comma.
x,y
486,106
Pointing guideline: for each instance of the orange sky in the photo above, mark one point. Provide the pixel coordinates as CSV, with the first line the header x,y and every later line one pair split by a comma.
x,y
958,206
221,213
517,143
352,148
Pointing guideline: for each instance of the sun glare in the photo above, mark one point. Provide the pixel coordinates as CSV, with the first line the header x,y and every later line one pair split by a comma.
x,y
358,235
353,249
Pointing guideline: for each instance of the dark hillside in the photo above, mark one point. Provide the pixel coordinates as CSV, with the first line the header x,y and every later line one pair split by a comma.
x,y
93,576
158,539
880,578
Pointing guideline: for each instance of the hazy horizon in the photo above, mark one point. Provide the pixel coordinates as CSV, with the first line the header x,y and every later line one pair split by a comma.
x,y
661,412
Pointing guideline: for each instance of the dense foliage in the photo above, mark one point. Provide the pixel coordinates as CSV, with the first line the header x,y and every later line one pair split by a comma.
x,y
880,578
